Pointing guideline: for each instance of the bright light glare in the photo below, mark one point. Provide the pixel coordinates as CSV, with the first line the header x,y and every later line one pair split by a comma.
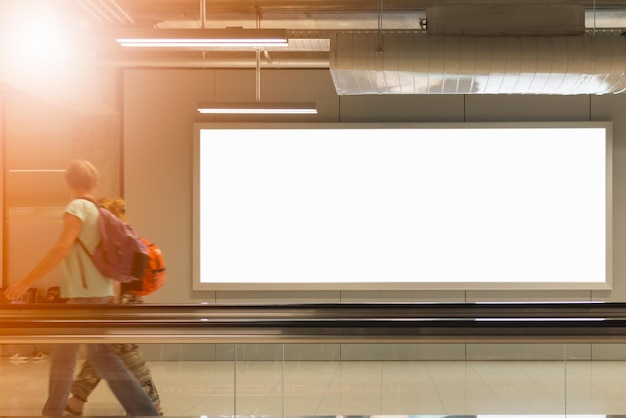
x,y
37,38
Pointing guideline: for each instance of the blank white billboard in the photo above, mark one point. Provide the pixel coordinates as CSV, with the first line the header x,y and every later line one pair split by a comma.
x,y
348,206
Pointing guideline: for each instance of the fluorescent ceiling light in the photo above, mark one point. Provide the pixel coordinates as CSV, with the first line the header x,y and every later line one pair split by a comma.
x,y
257,108
198,38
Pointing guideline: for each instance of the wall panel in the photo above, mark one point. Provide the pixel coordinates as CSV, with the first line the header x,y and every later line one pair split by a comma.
x,y
159,112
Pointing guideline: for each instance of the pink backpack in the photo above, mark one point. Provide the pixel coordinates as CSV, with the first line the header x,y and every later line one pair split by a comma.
x,y
120,255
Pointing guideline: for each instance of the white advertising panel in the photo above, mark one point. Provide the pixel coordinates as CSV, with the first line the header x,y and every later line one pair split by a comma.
x,y
393,206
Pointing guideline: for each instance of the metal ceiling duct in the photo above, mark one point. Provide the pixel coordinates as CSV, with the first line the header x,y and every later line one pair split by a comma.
x,y
506,17
416,63
506,48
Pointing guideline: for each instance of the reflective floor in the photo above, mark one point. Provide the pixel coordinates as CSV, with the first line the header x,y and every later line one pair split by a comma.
x,y
332,388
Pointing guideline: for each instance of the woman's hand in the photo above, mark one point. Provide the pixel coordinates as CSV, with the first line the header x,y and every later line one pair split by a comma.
x,y
16,290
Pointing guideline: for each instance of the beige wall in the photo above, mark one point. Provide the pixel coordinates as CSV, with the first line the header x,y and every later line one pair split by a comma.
x,y
159,113
159,108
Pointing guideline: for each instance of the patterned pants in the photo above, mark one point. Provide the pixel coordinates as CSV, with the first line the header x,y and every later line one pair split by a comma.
x,y
88,379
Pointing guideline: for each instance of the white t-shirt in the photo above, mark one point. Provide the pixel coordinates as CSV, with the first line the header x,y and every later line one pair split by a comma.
x,y
77,264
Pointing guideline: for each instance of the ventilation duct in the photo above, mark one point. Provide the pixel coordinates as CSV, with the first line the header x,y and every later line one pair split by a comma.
x,y
507,17
417,63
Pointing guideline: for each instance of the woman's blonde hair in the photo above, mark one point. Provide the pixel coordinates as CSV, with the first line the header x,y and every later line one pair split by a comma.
x,y
115,205
82,175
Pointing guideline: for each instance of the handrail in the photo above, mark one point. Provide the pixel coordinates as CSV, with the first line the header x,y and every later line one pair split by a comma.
x,y
562,322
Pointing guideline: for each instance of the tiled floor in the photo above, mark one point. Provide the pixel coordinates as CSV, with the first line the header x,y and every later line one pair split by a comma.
x,y
193,388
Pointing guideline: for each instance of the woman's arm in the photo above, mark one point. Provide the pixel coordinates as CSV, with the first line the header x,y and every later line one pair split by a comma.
x,y
52,258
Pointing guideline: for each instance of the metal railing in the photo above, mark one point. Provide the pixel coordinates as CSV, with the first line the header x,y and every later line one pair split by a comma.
x,y
575,322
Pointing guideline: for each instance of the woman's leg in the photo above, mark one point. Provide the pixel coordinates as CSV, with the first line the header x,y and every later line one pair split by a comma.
x,y
62,363
85,383
123,384
133,358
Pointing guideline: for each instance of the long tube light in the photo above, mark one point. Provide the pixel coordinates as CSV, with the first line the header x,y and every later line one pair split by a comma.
x,y
199,38
257,108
